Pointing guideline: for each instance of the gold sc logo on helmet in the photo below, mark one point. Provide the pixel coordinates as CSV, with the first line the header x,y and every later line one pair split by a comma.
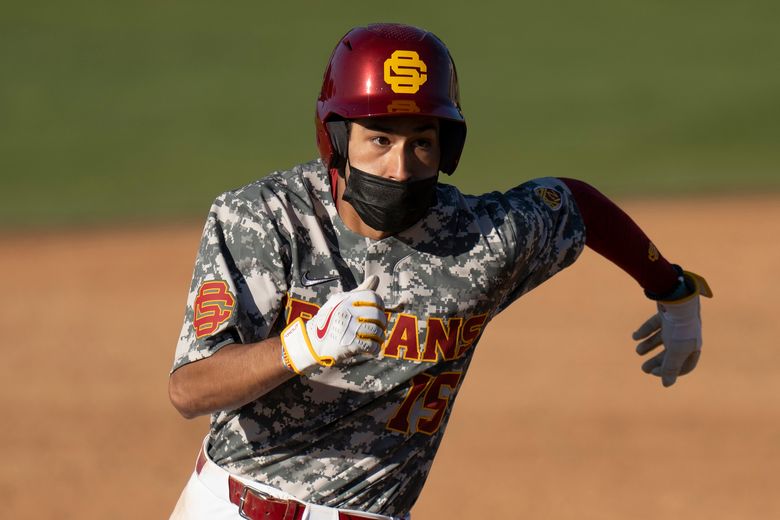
x,y
405,72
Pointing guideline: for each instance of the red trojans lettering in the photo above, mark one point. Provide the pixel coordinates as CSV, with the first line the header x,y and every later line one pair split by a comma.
x,y
442,341
471,331
213,307
300,309
403,336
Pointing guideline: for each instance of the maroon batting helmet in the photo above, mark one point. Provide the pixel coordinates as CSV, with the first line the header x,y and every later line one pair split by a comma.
x,y
389,70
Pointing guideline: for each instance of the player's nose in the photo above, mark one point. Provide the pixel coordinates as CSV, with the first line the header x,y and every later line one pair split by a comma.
x,y
400,167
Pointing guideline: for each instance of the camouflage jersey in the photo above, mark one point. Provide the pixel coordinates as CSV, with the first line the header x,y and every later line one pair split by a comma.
x,y
362,435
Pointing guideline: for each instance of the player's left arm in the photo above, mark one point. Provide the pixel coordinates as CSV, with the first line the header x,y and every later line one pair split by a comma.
x,y
677,326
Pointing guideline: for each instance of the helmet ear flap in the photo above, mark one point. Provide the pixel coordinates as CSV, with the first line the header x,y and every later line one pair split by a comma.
x,y
339,140
452,137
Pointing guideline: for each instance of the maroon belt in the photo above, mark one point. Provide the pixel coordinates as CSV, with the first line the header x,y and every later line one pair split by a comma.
x,y
256,505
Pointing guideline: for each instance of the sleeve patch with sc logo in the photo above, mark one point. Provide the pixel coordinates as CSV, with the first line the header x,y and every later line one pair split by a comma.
x,y
213,306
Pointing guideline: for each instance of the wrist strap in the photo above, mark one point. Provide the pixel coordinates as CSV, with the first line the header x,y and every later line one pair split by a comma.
x,y
680,291
298,354
689,284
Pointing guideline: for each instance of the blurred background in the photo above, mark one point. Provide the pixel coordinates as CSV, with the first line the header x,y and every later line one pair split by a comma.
x,y
121,121
146,110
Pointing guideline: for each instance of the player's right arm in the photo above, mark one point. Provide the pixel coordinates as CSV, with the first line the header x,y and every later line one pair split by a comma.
x,y
235,375
229,351
349,324
232,349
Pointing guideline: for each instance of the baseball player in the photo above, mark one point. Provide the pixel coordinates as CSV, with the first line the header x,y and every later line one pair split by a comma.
x,y
335,307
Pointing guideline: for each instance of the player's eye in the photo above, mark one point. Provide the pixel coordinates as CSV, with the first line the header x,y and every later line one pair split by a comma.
x,y
380,140
425,144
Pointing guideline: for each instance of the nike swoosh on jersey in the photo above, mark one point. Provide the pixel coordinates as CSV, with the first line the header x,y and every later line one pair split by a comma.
x,y
322,331
308,282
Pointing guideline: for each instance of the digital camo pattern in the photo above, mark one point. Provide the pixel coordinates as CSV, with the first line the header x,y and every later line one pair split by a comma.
x,y
363,435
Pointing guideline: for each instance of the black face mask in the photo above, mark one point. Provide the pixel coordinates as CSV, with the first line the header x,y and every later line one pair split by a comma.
x,y
388,205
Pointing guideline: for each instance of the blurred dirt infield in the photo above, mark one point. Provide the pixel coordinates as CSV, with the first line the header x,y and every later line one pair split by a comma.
x,y
555,419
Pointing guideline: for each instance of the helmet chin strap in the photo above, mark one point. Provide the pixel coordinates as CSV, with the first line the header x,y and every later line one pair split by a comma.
x,y
335,173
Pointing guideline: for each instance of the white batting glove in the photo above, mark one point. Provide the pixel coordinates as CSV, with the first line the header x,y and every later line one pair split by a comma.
x,y
349,324
678,327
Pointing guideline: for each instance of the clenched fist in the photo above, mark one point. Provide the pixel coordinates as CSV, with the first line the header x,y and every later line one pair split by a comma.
x,y
349,324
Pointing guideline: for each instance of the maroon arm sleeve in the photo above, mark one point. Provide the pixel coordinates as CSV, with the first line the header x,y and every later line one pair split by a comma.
x,y
611,233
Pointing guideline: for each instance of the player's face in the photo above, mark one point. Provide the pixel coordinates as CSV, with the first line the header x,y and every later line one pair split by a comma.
x,y
398,148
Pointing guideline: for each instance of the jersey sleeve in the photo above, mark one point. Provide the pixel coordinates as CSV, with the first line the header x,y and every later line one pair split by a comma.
x,y
549,234
238,283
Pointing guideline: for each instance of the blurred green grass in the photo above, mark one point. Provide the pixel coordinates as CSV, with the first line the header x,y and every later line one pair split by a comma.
x,y
145,110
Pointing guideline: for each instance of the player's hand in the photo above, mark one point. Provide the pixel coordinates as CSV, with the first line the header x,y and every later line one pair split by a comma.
x,y
349,324
677,327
